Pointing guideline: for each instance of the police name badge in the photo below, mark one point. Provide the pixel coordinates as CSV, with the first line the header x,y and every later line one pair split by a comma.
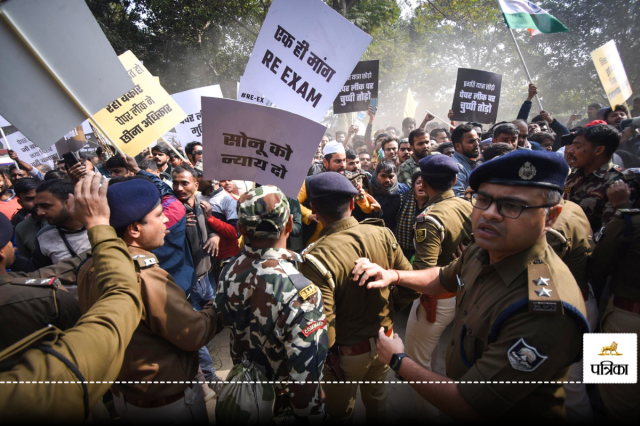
x,y
524,357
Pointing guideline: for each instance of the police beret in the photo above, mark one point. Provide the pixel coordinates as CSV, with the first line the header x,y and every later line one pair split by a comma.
x,y
130,201
433,165
523,167
326,184
6,231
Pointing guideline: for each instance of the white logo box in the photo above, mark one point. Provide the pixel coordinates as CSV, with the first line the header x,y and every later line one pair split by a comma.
x,y
613,368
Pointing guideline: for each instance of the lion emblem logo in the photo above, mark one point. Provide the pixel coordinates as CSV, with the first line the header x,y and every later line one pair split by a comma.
x,y
610,349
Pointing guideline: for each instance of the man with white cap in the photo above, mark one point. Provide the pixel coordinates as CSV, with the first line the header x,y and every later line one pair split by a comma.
x,y
334,160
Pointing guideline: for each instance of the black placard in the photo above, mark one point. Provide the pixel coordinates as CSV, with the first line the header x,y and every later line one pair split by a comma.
x,y
477,96
359,89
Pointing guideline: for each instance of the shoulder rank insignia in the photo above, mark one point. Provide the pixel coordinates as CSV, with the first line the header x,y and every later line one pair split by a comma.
x,y
543,295
421,235
144,261
52,282
524,357
308,291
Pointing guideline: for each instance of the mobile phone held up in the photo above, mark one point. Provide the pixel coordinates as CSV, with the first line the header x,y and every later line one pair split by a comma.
x,y
70,160
374,104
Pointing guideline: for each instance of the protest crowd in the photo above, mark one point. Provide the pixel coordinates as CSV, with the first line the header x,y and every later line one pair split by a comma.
x,y
511,239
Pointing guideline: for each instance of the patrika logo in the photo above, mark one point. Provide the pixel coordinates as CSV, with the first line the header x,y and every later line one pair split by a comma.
x,y
610,349
604,362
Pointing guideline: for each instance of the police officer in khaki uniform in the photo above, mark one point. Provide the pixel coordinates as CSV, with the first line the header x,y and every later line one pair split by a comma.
x,y
164,347
354,314
29,304
520,314
439,229
93,350
618,254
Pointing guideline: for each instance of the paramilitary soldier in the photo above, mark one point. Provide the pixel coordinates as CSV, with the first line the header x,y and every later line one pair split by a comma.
x,y
440,228
520,314
275,314
618,254
164,347
354,314
83,361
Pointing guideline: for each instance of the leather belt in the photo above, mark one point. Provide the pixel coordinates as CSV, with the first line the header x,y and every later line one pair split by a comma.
x,y
626,304
360,348
150,404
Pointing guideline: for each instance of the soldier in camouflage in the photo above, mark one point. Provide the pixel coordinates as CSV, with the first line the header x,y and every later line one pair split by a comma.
x,y
275,314
590,157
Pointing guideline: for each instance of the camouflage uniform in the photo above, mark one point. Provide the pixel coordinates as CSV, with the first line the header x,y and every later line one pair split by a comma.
x,y
275,314
590,193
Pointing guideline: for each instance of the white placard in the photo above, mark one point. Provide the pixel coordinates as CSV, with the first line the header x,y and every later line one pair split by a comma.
x,y
251,142
248,94
303,55
190,129
30,153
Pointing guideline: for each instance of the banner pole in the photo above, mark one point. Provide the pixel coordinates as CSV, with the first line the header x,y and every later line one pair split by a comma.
x,y
21,36
445,122
177,152
524,65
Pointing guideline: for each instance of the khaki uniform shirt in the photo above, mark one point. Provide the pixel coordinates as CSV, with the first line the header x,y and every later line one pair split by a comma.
x,y
618,254
354,313
29,304
569,238
165,345
95,346
488,345
440,228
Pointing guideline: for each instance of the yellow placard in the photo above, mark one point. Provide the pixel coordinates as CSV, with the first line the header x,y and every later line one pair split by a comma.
x,y
612,74
143,114
410,106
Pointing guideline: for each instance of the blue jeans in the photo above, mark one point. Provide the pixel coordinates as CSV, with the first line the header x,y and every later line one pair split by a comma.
x,y
200,295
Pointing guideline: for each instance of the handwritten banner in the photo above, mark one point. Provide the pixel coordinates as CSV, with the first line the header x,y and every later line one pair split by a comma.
x,y
612,74
142,115
250,142
303,55
30,153
477,96
190,129
357,92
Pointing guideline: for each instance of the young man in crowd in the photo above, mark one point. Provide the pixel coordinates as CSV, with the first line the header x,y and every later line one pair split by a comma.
x,y
419,143
590,157
164,347
466,143
25,190
117,166
228,185
194,152
446,149
8,202
390,148
161,154
404,150
614,116
408,125
365,161
592,114
506,133
440,135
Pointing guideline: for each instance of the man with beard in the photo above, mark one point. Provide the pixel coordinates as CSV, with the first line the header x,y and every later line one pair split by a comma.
x,y
592,114
161,154
365,161
335,160
467,145
590,156
386,190
64,237
404,150
419,142
390,148
28,228
614,116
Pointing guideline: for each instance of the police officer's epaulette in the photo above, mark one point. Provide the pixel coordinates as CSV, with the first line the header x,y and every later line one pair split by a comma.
x,y
422,216
373,221
563,240
543,294
305,288
142,261
52,282
622,212
324,272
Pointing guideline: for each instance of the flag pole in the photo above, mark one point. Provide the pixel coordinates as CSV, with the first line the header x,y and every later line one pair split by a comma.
x,y
524,65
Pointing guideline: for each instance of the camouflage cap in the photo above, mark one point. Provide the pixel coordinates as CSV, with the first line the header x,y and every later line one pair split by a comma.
x,y
266,204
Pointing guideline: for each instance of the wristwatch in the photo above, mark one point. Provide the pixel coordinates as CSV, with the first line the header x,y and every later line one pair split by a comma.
x,y
396,360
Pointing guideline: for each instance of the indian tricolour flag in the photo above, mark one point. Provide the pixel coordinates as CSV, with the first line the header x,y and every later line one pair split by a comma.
x,y
524,14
